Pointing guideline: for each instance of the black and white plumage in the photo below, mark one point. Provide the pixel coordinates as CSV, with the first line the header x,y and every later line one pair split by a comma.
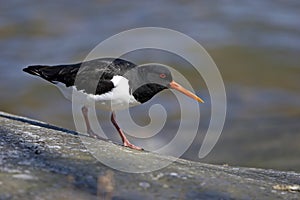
x,y
114,84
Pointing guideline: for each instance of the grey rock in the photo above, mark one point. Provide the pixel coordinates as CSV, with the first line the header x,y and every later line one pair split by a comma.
x,y
41,161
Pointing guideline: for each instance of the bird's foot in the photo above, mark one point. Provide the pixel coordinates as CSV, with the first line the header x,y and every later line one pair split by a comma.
x,y
94,135
132,146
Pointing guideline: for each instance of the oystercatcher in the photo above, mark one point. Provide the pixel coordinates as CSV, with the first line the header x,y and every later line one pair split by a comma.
x,y
112,83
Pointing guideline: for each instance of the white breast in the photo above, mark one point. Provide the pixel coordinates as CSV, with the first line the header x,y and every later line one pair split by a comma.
x,y
117,99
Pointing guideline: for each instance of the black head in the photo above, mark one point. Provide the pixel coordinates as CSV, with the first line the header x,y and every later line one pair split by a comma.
x,y
154,78
155,74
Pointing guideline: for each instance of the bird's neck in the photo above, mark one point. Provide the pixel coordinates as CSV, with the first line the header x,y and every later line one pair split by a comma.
x,y
140,89
146,92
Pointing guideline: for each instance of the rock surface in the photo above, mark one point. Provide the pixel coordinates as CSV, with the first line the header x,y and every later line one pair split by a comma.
x,y
41,161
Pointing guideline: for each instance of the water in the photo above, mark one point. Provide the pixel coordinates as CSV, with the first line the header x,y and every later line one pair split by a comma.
x,y
255,44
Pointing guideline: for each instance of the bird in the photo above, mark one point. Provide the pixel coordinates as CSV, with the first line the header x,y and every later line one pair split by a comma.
x,y
112,83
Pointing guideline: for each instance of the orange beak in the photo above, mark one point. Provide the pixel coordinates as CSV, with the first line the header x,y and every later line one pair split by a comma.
x,y
181,89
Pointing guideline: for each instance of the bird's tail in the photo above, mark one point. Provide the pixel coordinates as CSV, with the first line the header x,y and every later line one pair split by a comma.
x,y
48,73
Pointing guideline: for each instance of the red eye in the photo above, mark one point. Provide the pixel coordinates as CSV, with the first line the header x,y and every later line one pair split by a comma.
x,y
162,76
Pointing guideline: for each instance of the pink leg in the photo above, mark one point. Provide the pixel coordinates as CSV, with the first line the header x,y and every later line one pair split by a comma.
x,y
87,123
126,143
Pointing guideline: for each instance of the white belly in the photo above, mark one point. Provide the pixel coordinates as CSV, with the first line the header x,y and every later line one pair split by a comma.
x,y
117,99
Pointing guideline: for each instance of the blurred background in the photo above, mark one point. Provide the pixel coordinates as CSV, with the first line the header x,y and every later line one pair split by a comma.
x,y
255,44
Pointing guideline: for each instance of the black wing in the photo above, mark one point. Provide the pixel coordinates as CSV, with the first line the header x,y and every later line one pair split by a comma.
x,y
92,76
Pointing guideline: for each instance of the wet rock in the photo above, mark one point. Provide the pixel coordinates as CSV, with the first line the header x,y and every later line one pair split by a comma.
x,y
41,161
24,176
144,185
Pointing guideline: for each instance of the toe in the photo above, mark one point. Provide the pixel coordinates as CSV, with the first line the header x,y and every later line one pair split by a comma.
x,y
128,144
